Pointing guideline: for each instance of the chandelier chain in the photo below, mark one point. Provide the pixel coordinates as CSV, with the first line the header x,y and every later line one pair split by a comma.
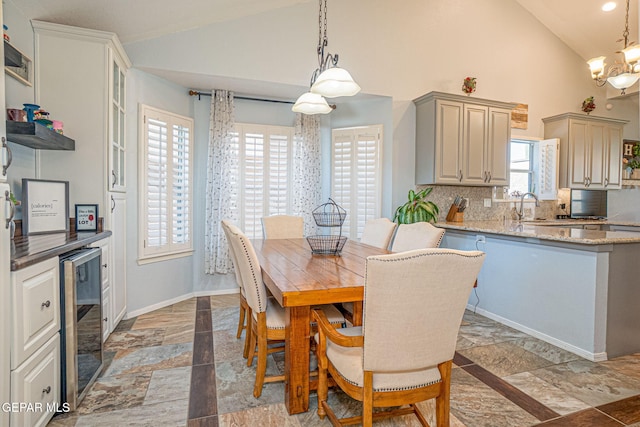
x,y
625,34
325,21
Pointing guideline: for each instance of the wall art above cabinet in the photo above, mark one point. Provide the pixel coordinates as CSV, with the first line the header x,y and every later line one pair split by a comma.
x,y
462,140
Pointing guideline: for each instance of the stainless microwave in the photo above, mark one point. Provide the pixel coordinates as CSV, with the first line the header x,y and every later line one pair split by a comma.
x,y
588,203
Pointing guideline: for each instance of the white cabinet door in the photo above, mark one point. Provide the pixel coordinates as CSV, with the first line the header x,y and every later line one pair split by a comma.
x,y
579,150
117,220
448,145
37,381
475,139
36,308
5,301
613,173
117,181
598,135
498,146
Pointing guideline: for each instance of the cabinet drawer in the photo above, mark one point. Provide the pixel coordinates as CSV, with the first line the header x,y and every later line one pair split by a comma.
x,y
37,383
36,308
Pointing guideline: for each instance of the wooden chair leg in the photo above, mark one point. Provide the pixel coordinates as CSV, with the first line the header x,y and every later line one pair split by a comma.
x,y
367,401
241,320
248,334
261,369
322,390
442,401
252,341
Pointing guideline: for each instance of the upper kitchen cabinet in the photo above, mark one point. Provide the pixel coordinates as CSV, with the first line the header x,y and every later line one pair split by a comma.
x,y
80,77
590,150
462,140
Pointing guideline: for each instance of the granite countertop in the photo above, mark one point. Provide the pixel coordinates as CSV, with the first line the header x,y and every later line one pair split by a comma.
x,y
29,250
557,230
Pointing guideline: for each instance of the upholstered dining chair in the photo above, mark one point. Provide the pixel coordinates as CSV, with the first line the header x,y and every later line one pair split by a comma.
x,y
283,227
245,311
267,319
377,232
418,235
403,352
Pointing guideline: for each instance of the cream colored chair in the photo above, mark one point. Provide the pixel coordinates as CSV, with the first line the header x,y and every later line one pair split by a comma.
x,y
403,352
419,235
245,311
378,232
267,317
283,227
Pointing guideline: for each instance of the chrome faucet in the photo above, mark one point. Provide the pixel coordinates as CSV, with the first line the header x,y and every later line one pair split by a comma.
x,y
520,213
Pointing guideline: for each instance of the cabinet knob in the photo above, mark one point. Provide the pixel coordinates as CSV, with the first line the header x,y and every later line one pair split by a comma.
x,y
606,182
489,173
106,319
460,178
46,304
104,265
46,390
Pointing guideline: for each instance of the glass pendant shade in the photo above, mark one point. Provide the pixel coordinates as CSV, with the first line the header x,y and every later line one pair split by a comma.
x,y
632,53
624,80
597,66
334,82
311,103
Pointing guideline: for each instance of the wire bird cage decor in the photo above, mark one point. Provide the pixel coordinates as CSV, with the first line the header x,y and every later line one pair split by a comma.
x,y
328,214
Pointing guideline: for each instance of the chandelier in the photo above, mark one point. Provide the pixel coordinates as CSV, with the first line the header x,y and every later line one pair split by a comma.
x,y
620,75
328,80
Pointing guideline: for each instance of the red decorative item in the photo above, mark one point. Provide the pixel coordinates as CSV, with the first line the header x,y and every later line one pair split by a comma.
x,y
469,85
588,105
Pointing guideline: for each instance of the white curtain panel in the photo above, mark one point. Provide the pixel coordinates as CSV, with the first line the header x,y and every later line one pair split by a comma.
x,y
221,189
306,188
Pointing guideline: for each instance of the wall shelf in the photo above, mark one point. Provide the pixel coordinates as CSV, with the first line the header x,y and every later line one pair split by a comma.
x,y
35,135
17,64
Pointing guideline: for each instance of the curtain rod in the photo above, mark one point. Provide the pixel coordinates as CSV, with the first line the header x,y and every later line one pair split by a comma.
x,y
246,98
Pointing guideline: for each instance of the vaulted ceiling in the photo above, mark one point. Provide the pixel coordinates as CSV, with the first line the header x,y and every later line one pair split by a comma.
x,y
581,24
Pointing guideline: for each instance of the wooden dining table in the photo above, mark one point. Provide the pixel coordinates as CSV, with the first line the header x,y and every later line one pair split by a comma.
x,y
300,280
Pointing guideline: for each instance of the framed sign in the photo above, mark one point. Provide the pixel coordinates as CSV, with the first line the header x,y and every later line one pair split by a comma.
x,y
45,207
86,217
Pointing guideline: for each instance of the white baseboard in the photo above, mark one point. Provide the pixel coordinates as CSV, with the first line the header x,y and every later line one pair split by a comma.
x,y
178,299
594,357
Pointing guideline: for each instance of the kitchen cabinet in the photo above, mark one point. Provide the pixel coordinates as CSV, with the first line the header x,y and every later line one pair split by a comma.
x,y
95,65
35,343
590,150
462,140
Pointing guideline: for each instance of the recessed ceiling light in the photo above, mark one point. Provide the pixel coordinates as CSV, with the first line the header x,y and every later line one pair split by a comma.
x,y
609,6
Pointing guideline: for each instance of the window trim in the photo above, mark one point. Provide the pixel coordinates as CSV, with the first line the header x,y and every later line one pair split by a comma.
x,y
170,250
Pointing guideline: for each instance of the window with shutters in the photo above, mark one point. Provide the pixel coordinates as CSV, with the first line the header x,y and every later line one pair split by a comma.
x,y
264,174
165,184
356,175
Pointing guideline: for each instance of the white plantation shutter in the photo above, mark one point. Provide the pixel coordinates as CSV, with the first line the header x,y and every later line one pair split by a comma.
x,y
264,174
166,186
356,175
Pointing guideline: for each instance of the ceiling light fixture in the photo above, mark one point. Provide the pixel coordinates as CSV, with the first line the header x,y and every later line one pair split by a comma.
x,y
609,6
620,75
328,80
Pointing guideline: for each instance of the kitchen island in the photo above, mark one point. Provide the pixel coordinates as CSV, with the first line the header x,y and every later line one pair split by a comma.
x,y
575,288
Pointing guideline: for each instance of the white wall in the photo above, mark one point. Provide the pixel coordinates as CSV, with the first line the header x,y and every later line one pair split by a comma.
x,y
16,94
398,49
154,283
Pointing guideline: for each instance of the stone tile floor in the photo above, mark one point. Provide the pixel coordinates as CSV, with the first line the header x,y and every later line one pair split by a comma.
x,y
182,366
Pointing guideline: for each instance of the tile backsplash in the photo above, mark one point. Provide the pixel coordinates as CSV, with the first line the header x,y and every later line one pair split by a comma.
x,y
443,195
